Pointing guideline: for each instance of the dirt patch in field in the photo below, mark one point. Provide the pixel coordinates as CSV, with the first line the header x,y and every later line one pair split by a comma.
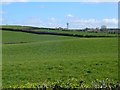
x,y
14,42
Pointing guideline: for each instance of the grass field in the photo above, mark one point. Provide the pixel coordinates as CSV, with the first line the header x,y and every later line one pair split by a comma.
x,y
49,58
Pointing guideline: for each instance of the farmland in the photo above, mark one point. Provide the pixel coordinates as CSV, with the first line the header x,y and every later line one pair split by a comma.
x,y
57,31
31,58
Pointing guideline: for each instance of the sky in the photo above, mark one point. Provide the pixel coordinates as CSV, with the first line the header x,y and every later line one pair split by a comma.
x,y
57,14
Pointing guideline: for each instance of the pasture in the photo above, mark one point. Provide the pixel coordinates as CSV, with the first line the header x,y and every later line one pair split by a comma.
x,y
31,58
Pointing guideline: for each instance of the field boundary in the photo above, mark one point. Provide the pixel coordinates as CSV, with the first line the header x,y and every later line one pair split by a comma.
x,y
52,33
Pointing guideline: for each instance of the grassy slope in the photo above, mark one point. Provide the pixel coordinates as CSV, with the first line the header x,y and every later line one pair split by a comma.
x,y
55,58
9,36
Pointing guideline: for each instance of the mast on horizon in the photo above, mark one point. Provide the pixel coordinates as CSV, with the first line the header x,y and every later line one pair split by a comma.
x,y
67,25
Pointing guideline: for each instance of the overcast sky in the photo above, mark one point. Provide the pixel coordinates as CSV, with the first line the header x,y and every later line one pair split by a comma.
x,y
57,14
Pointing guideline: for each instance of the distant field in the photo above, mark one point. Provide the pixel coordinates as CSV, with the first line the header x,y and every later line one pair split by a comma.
x,y
49,58
15,27
74,32
17,37
77,32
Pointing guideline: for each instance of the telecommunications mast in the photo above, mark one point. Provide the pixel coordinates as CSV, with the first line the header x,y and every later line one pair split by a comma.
x,y
67,25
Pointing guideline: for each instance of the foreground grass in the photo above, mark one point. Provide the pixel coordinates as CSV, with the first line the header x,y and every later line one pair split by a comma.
x,y
51,58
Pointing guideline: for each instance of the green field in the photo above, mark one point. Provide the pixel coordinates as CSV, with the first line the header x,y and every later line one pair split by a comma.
x,y
35,58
